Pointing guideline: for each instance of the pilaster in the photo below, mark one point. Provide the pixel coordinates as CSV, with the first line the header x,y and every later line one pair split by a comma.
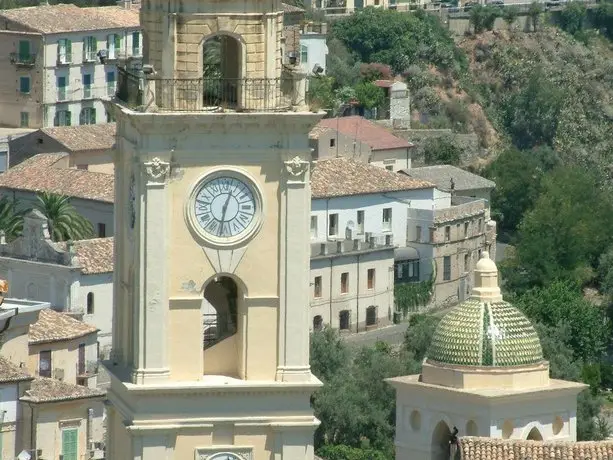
x,y
152,353
295,260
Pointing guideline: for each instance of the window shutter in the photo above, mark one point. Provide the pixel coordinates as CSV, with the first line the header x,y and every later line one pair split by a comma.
x,y
68,51
117,42
94,44
68,117
110,43
61,48
56,119
93,117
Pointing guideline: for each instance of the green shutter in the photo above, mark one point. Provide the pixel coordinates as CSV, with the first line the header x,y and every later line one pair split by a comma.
x,y
94,44
68,51
117,43
68,117
70,444
93,117
24,49
136,40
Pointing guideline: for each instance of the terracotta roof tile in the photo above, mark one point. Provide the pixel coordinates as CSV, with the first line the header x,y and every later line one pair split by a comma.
x,y
344,177
95,255
441,175
287,8
374,135
51,390
51,19
512,449
38,174
53,326
10,372
84,137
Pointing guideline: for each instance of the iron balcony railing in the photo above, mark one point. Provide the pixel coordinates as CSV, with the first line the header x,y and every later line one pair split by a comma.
x,y
208,94
24,59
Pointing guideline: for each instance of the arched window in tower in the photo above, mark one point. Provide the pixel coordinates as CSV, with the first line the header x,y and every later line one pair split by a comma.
x,y
535,435
90,303
221,72
440,446
220,310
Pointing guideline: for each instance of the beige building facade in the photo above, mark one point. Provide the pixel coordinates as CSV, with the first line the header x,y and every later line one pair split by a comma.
x,y
352,284
214,204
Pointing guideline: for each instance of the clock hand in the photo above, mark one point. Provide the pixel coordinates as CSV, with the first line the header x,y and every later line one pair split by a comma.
x,y
223,212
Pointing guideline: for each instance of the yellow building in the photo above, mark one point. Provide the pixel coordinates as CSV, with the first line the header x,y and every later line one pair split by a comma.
x,y
212,201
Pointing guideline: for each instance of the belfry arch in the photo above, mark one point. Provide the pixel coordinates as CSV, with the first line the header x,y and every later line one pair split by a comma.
x,y
222,70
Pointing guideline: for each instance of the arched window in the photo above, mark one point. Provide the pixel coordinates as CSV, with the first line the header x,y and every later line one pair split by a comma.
x,y
371,315
222,62
318,323
535,435
304,54
90,303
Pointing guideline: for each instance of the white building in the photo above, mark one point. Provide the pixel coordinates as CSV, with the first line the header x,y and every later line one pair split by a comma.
x,y
76,278
58,62
91,193
313,47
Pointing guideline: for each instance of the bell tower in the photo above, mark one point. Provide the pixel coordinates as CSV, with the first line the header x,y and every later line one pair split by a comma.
x,y
212,202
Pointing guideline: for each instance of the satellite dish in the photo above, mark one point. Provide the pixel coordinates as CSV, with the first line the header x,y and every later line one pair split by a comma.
x,y
24,455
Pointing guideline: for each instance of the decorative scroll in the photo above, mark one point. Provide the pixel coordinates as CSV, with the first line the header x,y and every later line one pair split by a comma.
x,y
157,170
297,167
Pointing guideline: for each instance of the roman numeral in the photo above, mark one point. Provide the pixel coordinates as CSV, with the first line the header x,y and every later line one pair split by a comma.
x,y
236,227
205,217
244,217
246,207
212,226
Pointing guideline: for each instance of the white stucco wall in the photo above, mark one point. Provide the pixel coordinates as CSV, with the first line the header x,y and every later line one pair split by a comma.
x,y
317,50
101,285
8,401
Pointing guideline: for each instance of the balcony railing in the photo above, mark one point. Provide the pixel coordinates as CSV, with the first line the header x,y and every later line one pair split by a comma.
x,y
62,93
217,327
64,59
87,92
89,56
209,94
23,59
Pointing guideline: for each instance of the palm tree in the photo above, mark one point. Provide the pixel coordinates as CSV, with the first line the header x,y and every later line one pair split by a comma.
x,y
11,218
65,223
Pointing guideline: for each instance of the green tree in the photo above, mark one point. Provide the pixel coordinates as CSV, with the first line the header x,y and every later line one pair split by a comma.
x,y
534,12
567,230
442,150
510,14
321,93
65,223
419,334
369,95
341,65
572,17
602,18
11,218
483,17
329,355
341,452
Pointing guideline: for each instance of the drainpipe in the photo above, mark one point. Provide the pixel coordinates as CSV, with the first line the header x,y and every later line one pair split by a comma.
x,y
357,299
328,220
32,431
408,158
330,293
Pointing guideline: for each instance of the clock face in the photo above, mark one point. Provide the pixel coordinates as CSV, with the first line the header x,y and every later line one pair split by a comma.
x,y
225,456
225,208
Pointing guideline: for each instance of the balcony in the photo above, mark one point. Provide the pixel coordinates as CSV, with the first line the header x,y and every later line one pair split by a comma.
x,y
23,60
90,56
62,94
211,94
64,59
87,92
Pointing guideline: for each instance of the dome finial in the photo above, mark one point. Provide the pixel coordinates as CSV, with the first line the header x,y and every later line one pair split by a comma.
x,y
486,280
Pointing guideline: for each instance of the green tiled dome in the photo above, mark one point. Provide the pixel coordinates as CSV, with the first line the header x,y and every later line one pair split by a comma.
x,y
478,333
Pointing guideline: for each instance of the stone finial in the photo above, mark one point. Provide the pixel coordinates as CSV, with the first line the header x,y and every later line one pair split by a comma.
x,y
486,286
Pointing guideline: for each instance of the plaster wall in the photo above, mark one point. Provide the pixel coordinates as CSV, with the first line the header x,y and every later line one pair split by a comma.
x,y
101,286
331,143
316,49
9,395
396,159
358,297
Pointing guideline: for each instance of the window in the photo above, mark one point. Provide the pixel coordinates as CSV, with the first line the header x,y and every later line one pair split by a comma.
x,y
387,219
62,118
25,55
3,158
44,363
407,271
480,225
87,116
90,46
333,225
457,231
377,2
318,322
371,315
110,118
446,268
304,54
432,235
418,233
90,303
24,85
390,167
317,287
83,167
110,83
101,230
344,320
466,225
136,51
332,142
360,222
61,89
87,86
24,119
81,359
344,283
313,226
371,278
70,443
113,46
447,233
466,262
64,51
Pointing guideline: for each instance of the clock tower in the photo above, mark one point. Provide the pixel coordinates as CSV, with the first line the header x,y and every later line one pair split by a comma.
x,y
212,201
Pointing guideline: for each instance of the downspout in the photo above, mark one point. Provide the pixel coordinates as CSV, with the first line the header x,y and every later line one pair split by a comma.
x,y
32,431
330,293
408,157
328,221
357,299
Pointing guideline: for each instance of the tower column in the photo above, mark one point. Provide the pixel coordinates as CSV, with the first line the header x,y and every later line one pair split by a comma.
x,y
295,269
151,363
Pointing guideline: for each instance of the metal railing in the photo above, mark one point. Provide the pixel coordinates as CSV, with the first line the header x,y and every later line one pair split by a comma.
x,y
217,327
23,59
207,94
89,56
64,59
62,93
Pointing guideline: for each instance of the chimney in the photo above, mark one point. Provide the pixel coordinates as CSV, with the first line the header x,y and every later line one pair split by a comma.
x,y
371,242
323,249
389,240
339,247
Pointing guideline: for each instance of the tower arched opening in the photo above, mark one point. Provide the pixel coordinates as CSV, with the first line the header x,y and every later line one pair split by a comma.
x,y
534,435
440,446
221,71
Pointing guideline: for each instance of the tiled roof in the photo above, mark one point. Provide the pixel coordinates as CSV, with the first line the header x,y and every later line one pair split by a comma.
x,y
84,137
318,131
95,255
52,19
53,326
287,8
52,390
441,175
513,449
38,174
477,333
10,372
375,136
344,177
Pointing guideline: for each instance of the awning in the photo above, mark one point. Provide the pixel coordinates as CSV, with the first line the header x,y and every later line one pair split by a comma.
x,y
408,253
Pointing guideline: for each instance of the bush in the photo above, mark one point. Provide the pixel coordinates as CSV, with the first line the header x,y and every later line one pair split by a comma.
x,y
442,150
427,100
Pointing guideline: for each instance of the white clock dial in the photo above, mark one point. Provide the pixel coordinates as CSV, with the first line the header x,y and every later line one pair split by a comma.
x,y
225,456
225,208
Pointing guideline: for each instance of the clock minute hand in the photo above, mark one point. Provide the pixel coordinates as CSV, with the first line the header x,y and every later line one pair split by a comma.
x,y
223,212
